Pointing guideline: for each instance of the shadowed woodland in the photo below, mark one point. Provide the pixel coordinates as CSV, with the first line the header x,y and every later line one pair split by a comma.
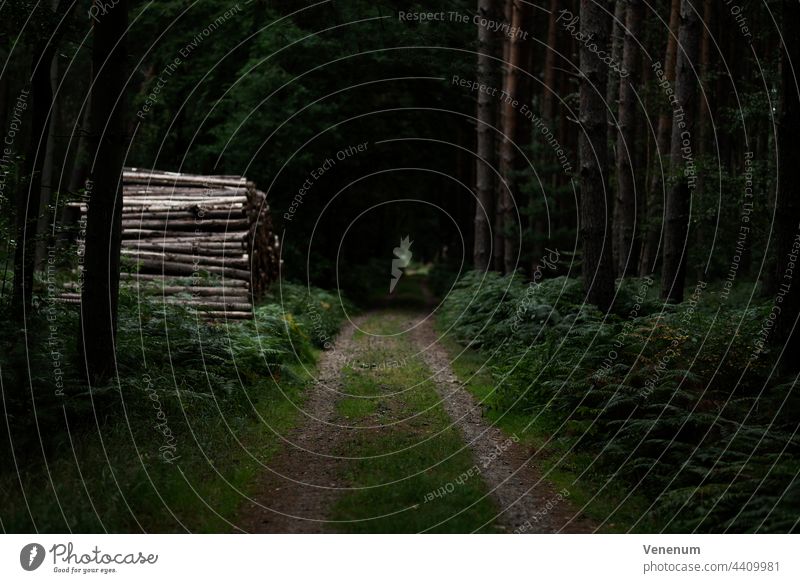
x,y
232,234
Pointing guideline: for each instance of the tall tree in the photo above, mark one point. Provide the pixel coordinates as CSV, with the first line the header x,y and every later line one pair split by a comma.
x,y
505,117
595,224
516,91
617,43
625,204
655,190
46,194
70,216
100,294
681,186
787,202
549,81
28,199
548,101
705,107
484,177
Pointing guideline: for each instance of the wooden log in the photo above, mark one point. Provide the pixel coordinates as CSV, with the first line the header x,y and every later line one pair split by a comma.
x,y
218,304
179,195
171,268
166,191
152,234
141,177
232,250
231,247
211,207
175,225
186,201
200,260
63,300
211,225
130,214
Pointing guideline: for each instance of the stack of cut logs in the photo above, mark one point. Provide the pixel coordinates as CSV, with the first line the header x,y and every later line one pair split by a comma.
x,y
205,241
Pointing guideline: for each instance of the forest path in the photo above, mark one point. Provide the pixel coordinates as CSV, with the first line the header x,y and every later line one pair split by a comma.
x,y
391,441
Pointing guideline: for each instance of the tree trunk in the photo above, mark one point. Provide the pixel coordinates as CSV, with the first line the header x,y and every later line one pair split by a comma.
x,y
502,196
5,86
595,225
655,192
484,177
550,90
617,43
787,203
104,218
612,90
524,134
27,204
681,186
625,207
568,138
516,90
46,194
705,107
70,215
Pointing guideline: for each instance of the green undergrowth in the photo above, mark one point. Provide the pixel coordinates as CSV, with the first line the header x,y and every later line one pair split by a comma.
x,y
407,450
613,511
674,407
172,442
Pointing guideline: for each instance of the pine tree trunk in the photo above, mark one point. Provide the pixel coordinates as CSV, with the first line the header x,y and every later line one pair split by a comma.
x,y
625,207
100,293
705,107
517,92
655,191
568,138
785,335
28,198
46,194
595,228
484,175
680,187
612,90
70,215
549,92
502,195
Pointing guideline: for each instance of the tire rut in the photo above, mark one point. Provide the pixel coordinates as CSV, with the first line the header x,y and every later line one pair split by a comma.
x,y
528,503
302,482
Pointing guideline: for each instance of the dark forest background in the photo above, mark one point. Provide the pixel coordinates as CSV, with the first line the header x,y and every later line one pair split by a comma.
x,y
595,194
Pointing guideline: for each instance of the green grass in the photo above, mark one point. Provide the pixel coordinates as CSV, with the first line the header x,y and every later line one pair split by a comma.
x,y
360,388
121,484
560,465
225,393
394,491
668,406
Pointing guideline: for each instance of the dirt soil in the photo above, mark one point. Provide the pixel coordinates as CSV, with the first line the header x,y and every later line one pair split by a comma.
x,y
304,480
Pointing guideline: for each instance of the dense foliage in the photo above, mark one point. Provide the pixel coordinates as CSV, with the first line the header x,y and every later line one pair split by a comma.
x,y
675,401
363,127
187,395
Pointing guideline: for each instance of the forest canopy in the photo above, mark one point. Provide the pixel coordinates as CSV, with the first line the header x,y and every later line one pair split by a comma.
x,y
584,213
